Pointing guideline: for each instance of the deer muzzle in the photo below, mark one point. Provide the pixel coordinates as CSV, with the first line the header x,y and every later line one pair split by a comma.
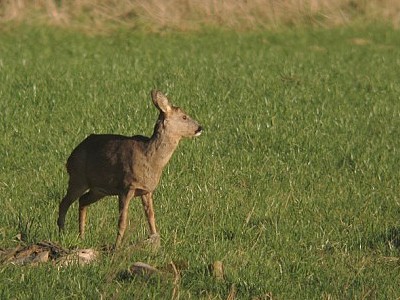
x,y
198,131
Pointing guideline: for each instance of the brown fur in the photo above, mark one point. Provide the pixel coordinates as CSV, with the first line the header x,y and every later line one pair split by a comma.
x,y
107,164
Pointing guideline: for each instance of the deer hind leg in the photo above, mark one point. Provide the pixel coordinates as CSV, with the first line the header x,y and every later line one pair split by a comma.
x,y
84,201
123,201
75,190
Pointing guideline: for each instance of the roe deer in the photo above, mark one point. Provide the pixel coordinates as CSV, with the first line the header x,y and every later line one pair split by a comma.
x,y
107,164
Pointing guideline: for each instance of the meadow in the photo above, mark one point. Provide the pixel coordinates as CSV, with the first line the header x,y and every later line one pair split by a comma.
x,y
294,184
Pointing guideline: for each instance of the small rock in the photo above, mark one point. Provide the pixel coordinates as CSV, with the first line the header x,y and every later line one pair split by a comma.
x,y
143,269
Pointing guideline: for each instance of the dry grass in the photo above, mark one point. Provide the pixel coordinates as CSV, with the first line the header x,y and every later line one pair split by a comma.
x,y
187,14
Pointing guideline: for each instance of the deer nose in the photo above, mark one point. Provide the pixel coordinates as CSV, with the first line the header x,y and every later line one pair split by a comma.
x,y
198,131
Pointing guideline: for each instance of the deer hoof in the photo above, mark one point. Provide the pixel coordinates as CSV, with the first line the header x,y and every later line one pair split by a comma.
x,y
154,241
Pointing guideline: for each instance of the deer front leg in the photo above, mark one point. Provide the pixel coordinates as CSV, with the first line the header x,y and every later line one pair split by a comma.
x,y
123,201
147,201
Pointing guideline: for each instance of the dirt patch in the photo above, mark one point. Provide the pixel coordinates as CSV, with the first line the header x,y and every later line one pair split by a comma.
x,y
46,251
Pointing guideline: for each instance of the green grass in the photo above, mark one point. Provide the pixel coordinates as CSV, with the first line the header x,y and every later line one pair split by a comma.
x,y
294,184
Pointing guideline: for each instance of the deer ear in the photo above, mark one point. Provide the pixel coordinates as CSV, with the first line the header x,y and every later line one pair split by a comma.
x,y
160,101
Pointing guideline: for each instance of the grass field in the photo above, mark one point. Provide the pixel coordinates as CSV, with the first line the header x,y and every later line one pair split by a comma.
x,y
294,184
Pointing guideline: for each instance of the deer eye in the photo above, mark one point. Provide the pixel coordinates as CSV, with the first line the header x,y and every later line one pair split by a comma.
x,y
184,117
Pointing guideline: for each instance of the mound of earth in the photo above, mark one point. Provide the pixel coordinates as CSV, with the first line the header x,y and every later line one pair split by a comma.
x,y
46,251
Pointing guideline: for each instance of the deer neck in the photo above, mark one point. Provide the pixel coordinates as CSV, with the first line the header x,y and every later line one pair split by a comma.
x,y
161,147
